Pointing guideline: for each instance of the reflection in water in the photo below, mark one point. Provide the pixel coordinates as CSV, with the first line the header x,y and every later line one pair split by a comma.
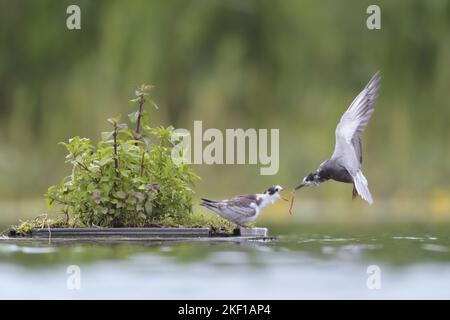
x,y
318,264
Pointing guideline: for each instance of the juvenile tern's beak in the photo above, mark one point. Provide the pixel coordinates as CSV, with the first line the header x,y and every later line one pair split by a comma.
x,y
301,185
282,196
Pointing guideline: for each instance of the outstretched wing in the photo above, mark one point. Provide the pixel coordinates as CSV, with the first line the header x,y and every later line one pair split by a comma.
x,y
352,124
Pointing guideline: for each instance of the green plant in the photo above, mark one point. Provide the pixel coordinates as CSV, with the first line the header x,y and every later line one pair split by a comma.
x,y
129,179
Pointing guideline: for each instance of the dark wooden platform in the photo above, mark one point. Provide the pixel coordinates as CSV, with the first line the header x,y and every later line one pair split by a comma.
x,y
120,232
144,234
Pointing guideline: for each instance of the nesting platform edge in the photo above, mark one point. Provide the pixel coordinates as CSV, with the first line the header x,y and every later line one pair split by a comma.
x,y
145,234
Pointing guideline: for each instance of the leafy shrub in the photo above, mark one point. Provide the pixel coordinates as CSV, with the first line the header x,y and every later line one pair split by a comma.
x,y
128,179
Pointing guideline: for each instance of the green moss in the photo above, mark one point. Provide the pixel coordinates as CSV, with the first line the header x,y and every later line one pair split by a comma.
x,y
201,220
25,227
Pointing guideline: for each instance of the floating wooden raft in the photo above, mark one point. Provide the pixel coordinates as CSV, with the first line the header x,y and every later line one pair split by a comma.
x,y
120,232
142,233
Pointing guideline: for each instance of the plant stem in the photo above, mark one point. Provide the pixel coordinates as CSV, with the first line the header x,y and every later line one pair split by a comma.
x,y
60,201
116,157
145,204
66,212
82,165
142,164
138,121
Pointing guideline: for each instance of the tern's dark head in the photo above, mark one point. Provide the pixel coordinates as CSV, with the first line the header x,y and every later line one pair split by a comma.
x,y
273,190
313,179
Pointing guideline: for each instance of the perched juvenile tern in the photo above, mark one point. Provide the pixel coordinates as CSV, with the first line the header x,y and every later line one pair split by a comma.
x,y
246,208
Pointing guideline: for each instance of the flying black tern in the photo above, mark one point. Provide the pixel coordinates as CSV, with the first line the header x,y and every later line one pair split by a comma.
x,y
245,208
345,163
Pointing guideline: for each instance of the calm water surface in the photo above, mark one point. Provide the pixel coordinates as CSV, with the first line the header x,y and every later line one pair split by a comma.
x,y
304,262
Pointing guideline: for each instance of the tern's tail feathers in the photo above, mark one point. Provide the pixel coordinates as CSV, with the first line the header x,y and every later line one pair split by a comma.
x,y
362,186
209,204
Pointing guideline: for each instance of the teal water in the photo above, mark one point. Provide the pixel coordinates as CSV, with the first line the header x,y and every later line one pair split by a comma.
x,y
303,263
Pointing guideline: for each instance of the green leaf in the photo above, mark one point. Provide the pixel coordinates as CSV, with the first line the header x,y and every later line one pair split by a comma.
x,y
121,195
114,121
141,215
139,196
148,207
122,126
107,135
133,116
105,160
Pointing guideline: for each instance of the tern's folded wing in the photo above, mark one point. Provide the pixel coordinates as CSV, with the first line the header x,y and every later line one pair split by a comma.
x,y
242,205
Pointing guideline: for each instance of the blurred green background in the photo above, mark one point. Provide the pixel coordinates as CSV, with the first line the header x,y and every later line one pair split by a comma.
x,y
293,65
